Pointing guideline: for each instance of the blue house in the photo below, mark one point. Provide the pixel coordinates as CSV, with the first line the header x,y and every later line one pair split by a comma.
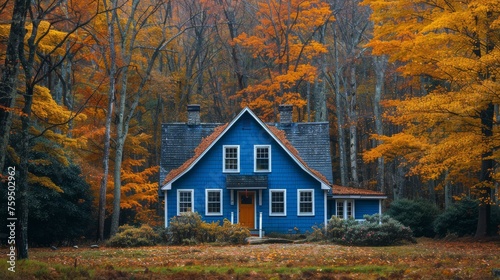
x,y
276,177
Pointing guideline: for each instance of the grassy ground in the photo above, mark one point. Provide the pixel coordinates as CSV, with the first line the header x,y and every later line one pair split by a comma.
x,y
428,259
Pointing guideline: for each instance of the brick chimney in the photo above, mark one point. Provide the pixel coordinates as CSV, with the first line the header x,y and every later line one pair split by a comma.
x,y
193,111
286,111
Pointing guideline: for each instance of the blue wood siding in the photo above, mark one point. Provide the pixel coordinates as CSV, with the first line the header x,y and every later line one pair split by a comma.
x,y
365,207
286,174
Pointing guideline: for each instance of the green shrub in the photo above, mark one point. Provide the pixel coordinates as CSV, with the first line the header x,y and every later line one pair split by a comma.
x,y
375,231
460,219
419,215
129,236
188,228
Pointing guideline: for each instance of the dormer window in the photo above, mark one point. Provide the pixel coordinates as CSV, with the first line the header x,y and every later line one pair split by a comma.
x,y
262,158
231,155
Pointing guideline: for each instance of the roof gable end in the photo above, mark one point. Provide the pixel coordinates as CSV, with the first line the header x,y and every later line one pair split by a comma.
x,y
210,141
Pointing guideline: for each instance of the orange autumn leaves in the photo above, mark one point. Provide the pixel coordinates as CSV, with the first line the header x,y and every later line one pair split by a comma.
x,y
455,46
284,41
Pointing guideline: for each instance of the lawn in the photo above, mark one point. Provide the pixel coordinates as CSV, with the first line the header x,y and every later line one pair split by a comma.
x,y
428,259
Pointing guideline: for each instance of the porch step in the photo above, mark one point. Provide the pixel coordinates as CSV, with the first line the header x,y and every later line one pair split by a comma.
x,y
255,232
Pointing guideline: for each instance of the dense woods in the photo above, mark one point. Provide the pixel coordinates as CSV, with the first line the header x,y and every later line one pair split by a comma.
x,y
409,87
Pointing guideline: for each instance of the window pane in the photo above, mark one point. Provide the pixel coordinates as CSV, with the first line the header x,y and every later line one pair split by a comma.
x,y
185,201
278,202
305,203
213,202
340,209
231,158
262,158
349,209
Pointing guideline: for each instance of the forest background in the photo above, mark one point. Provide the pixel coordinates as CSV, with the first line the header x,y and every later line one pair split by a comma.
x,y
409,88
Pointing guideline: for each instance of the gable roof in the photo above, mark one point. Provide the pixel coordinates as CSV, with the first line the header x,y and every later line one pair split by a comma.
x,y
208,142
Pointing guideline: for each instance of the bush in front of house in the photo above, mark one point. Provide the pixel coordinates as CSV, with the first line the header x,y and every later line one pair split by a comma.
x,y
233,233
376,230
337,228
185,228
129,236
188,228
418,214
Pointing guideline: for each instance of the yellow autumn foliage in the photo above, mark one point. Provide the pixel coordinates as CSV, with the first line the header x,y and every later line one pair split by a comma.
x,y
43,181
454,44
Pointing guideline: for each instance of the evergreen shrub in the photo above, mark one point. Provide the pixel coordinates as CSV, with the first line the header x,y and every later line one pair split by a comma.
x,y
376,230
461,219
418,214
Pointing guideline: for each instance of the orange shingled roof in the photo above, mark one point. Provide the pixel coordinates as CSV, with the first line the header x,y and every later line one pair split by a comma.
x,y
340,190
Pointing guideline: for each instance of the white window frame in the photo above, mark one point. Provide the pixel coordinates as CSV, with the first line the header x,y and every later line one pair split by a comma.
x,y
179,201
206,202
271,213
345,203
224,147
299,213
255,147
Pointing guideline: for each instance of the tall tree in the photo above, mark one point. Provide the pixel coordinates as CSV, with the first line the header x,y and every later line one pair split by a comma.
x,y
450,130
380,63
43,43
350,33
10,80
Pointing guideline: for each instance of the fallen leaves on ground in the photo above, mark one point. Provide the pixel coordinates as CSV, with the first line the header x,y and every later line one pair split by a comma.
x,y
462,259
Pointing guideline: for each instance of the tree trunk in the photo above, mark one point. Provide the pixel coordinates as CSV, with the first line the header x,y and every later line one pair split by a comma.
x,y
121,135
109,114
485,178
353,126
23,190
340,105
320,86
380,67
8,84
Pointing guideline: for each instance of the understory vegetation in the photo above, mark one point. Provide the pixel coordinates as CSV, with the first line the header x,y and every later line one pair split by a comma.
x,y
427,259
424,218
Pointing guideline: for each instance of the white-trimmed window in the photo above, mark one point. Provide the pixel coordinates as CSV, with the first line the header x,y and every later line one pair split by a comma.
x,y
344,208
277,202
305,205
185,201
231,156
262,158
213,202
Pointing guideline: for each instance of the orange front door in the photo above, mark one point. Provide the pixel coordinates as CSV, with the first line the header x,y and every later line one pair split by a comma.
x,y
246,203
